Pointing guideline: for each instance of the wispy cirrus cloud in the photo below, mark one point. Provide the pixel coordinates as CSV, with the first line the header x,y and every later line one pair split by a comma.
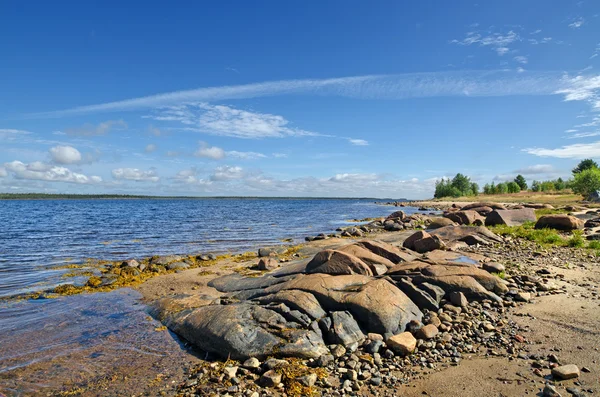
x,y
497,41
401,86
577,23
358,142
217,153
94,130
575,151
228,121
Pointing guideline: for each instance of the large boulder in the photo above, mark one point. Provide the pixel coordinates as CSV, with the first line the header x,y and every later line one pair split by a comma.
x,y
496,206
410,241
241,331
429,243
337,262
378,264
436,223
378,305
298,300
465,217
344,329
559,222
482,210
510,217
458,233
388,251
398,215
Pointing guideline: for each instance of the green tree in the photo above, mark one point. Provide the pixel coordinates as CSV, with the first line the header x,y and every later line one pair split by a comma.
x,y
584,165
535,186
520,180
586,182
487,189
462,183
513,187
444,188
547,186
474,189
559,184
501,188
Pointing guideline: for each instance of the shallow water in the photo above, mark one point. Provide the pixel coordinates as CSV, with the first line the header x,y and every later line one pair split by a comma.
x,y
37,237
106,341
93,340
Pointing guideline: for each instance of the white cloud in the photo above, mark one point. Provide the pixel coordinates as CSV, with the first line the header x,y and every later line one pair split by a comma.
x,y
411,85
65,155
95,130
354,178
211,152
570,131
150,148
535,169
536,31
134,174
228,121
358,142
11,135
584,134
520,70
580,88
3,172
544,40
190,177
280,155
576,151
46,172
245,155
497,41
521,59
227,173
577,23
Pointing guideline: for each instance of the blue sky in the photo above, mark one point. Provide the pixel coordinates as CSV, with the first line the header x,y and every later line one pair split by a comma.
x,y
337,98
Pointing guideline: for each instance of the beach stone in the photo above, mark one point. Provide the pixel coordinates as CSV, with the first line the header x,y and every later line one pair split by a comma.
x,y
308,380
523,296
266,252
559,222
270,379
177,266
550,391
493,267
403,344
251,363
344,329
337,263
337,350
230,372
396,215
459,299
324,360
393,227
465,217
267,263
164,260
428,244
510,217
564,372
131,263
436,223
94,281
428,331
410,241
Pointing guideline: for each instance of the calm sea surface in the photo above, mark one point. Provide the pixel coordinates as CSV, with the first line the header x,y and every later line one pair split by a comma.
x,y
44,342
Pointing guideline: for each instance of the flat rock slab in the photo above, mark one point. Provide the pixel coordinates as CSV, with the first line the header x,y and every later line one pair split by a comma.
x,y
510,217
457,233
241,331
564,372
236,282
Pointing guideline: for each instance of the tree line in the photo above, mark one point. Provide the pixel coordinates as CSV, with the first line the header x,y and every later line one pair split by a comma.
x,y
585,181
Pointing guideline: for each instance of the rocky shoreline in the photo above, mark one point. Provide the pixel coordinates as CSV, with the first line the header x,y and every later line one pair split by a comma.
x,y
362,317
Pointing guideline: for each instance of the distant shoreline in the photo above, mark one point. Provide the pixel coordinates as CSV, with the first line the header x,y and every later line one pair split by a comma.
x,y
45,196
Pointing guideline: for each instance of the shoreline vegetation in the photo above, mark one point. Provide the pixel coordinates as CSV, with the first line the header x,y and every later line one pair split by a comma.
x,y
52,196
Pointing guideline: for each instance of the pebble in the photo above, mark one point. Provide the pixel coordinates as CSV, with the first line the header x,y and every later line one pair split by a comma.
x,y
563,372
